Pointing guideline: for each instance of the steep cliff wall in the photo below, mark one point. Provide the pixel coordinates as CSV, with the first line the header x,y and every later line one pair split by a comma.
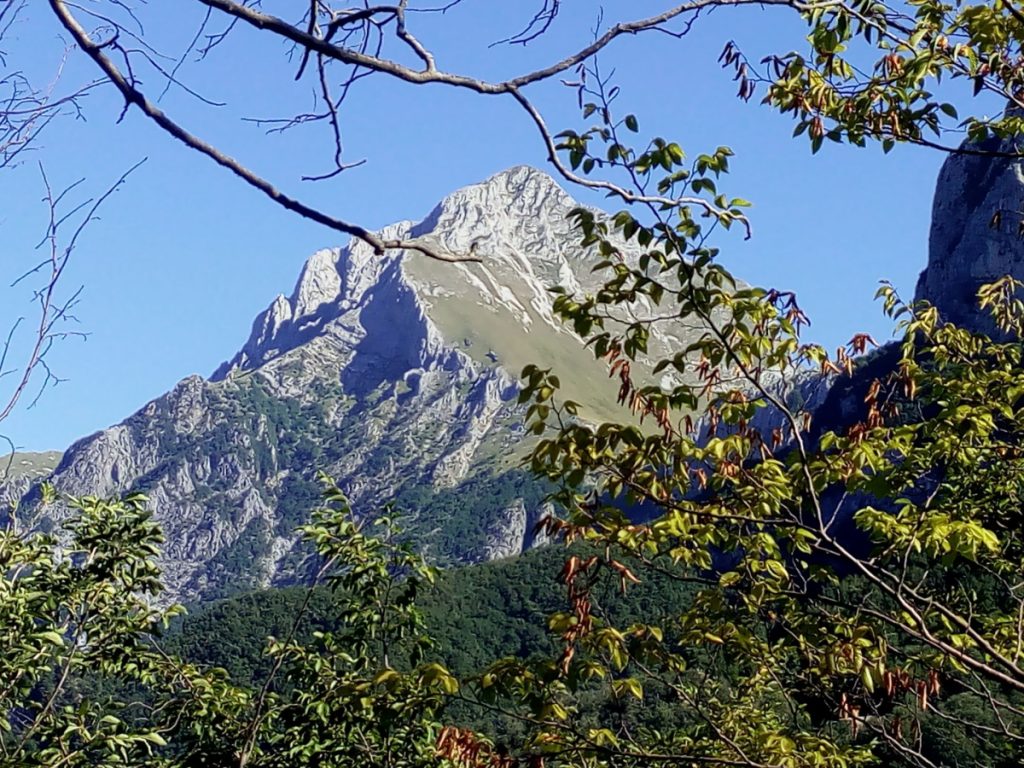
x,y
977,231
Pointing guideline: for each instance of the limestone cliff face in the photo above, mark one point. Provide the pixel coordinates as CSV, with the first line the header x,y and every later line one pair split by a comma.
x,y
395,374
976,232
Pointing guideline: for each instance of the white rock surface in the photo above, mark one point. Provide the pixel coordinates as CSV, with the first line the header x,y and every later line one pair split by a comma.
x,y
394,373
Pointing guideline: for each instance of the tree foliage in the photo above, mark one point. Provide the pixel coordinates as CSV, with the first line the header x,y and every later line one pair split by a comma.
x,y
864,580
76,608
87,682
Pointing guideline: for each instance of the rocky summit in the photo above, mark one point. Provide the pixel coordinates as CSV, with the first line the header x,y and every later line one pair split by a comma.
x,y
977,230
396,374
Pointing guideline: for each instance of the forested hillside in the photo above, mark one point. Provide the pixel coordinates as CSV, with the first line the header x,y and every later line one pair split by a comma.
x,y
475,615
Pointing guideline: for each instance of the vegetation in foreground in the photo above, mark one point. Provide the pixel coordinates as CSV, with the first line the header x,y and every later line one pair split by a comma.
x,y
849,597
735,627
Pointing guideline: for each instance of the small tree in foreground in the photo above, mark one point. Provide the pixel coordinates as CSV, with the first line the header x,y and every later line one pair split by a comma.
x,y
84,682
73,615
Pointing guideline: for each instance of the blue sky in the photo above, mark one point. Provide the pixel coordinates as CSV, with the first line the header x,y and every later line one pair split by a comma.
x,y
184,255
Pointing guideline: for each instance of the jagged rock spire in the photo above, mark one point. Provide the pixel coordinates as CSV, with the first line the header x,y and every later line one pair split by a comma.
x,y
515,221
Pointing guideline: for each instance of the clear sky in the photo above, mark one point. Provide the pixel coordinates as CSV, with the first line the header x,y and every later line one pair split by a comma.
x,y
185,255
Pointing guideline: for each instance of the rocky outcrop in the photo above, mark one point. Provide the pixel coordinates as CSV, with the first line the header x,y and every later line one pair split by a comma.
x,y
20,471
976,231
804,391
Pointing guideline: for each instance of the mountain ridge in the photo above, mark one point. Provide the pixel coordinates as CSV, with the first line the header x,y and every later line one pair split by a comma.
x,y
396,374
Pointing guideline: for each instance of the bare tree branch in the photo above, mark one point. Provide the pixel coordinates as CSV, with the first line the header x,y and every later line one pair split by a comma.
x,y
25,112
134,97
354,37
51,309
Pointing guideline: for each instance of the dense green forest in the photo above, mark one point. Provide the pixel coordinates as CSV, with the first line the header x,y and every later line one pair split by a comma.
x,y
479,614
474,614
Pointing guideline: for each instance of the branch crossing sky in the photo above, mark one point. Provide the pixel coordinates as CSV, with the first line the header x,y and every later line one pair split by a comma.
x,y
184,256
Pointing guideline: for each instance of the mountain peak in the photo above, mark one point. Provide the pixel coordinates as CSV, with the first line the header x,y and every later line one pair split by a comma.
x,y
515,220
517,176
513,179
